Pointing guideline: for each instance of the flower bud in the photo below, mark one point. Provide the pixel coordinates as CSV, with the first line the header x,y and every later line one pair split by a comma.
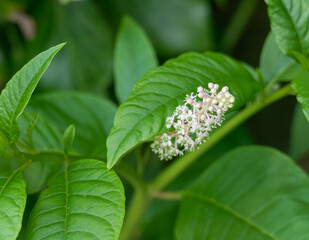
x,y
200,89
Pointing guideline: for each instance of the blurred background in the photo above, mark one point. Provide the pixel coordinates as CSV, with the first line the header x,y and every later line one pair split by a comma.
x,y
235,27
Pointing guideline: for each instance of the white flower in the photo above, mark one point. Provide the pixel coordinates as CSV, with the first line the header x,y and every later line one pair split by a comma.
x,y
166,140
192,122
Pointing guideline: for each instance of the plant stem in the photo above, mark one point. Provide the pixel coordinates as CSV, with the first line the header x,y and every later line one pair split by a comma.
x,y
172,196
237,25
182,163
138,203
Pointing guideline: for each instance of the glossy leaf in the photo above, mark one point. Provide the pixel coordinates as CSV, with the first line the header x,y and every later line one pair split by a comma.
x,y
299,144
12,203
134,56
274,64
289,23
18,91
92,117
85,201
226,203
160,90
300,86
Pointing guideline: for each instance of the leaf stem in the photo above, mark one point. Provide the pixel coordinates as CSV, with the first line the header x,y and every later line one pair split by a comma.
x,y
182,163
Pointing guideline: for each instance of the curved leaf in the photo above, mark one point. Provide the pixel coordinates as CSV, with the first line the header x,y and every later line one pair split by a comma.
x,y
274,64
251,193
12,203
300,86
92,117
289,22
85,201
160,90
18,91
134,55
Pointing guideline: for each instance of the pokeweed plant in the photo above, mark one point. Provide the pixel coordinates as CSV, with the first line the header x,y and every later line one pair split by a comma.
x,y
56,143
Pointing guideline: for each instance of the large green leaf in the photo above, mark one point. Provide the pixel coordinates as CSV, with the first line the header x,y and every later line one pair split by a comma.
x,y
92,117
250,193
134,55
299,144
174,26
300,86
274,64
85,201
160,90
86,63
18,91
12,203
289,23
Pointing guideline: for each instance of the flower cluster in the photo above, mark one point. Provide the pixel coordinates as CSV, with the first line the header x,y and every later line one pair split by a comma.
x,y
192,122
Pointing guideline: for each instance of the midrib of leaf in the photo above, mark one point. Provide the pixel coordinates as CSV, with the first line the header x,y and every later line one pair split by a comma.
x,y
12,120
293,26
236,214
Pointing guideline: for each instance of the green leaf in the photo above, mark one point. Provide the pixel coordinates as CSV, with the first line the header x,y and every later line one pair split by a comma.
x,y
68,138
300,86
91,115
160,90
289,23
274,64
250,193
134,56
299,144
85,201
18,91
12,203
86,63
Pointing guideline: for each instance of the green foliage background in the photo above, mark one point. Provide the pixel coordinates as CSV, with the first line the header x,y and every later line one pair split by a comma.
x,y
110,45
